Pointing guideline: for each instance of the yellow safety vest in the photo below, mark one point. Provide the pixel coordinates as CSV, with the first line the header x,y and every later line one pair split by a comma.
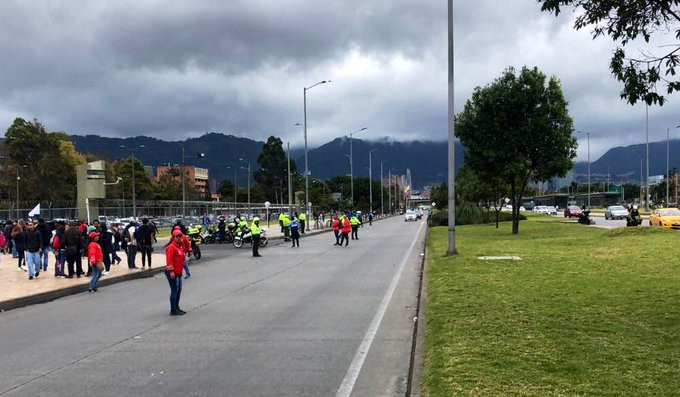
x,y
254,229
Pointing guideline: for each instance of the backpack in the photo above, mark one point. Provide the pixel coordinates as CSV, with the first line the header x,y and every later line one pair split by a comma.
x,y
56,242
3,241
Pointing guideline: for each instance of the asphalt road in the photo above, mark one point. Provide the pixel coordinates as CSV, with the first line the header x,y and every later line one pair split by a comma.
x,y
313,321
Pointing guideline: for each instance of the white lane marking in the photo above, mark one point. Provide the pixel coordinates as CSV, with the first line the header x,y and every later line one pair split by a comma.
x,y
352,374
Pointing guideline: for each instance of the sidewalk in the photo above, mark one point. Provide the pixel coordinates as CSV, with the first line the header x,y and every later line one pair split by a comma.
x,y
17,290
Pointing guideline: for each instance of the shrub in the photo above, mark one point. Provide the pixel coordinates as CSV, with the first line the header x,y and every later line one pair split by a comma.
x,y
467,214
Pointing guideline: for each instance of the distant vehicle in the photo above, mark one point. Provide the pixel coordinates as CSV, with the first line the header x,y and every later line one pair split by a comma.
x,y
410,216
665,217
419,214
616,212
509,208
545,209
572,211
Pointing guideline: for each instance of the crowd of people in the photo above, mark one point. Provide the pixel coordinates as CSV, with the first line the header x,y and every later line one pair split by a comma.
x,y
33,242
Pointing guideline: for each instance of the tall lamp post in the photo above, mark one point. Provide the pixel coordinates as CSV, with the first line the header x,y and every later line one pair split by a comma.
x,y
351,161
304,101
389,190
17,168
382,209
370,177
248,181
451,139
668,151
588,135
132,156
184,177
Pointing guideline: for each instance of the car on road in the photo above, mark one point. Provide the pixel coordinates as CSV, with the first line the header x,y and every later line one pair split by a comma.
x,y
410,216
665,217
616,212
545,209
572,211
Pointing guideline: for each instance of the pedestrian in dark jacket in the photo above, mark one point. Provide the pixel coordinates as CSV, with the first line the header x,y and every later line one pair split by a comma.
x,y
46,235
145,237
7,231
73,244
19,243
33,243
106,242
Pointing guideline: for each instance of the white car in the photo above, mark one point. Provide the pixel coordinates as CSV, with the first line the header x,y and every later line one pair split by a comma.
x,y
410,216
546,209
616,212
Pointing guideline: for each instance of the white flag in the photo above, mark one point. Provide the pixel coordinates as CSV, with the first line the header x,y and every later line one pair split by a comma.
x,y
35,211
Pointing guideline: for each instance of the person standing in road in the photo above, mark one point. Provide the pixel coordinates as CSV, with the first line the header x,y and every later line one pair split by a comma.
x,y
354,223
345,229
95,258
144,237
174,265
255,233
286,227
370,218
33,250
303,220
336,229
295,232
46,235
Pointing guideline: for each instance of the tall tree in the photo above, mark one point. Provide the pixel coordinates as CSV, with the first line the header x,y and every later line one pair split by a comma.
x,y
518,129
46,161
625,21
273,169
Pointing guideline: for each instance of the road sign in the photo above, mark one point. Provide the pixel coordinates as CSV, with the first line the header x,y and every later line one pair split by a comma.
x,y
267,204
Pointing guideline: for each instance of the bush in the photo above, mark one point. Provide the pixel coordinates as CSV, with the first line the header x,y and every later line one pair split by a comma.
x,y
467,214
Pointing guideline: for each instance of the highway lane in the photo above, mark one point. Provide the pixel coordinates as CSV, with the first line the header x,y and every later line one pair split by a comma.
x,y
290,323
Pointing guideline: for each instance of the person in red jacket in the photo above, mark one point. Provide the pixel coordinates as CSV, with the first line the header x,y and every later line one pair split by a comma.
x,y
336,229
94,256
174,261
346,229
186,246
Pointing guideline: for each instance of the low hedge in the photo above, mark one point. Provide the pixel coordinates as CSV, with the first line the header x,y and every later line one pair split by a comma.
x,y
471,215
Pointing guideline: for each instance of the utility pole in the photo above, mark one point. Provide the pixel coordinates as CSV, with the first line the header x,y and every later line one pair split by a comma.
x,y
290,193
647,156
452,142
382,187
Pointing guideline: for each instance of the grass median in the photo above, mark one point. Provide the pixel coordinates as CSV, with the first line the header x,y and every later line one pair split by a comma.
x,y
585,312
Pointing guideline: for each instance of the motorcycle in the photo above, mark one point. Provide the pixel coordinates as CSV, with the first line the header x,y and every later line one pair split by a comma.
x,y
248,239
211,236
196,239
634,218
584,218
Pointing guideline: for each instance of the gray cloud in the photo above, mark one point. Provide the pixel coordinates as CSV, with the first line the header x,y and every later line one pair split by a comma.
x,y
173,69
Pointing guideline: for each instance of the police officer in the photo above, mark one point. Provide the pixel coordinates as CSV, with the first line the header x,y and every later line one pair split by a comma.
x,y
355,222
255,232
303,220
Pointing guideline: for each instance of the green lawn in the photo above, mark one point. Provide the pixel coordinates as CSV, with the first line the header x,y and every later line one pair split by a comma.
x,y
586,312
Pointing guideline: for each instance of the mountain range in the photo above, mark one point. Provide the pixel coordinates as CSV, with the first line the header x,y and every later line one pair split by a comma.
x,y
425,159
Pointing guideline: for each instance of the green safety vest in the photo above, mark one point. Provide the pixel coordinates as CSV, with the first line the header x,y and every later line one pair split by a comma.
x,y
354,221
286,221
254,229
302,217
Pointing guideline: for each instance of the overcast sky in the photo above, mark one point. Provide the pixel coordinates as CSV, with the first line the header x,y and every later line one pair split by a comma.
x,y
175,68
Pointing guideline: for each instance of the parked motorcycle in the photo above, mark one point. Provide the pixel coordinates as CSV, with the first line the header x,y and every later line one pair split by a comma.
x,y
248,239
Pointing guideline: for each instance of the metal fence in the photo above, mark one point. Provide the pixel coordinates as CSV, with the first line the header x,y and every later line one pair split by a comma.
x,y
152,208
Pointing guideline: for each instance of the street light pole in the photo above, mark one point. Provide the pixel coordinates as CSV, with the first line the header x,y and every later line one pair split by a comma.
x,y
18,178
647,156
248,181
351,162
382,187
389,191
304,100
370,178
290,193
184,174
132,156
451,141
668,143
588,135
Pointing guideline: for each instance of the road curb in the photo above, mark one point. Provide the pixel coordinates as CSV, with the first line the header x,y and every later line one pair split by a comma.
x,y
415,372
74,289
